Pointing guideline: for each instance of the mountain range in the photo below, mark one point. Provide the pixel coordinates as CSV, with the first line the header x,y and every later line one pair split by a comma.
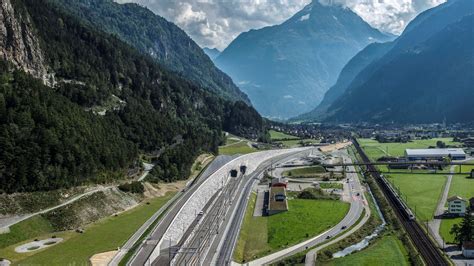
x,y
157,37
424,76
286,69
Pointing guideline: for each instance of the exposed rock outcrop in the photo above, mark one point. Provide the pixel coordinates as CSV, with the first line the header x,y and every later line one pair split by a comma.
x,y
18,43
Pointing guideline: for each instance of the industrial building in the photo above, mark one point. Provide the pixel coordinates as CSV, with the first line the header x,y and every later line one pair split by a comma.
x,y
434,154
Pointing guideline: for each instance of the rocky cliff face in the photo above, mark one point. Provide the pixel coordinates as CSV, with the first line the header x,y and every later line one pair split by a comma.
x,y
18,43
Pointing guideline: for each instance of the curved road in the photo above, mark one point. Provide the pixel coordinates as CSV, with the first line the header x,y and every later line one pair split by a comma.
x,y
358,204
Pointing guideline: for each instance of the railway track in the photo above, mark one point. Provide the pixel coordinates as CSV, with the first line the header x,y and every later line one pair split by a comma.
x,y
428,250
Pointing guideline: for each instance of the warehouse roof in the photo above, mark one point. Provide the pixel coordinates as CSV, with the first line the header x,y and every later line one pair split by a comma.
x,y
435,152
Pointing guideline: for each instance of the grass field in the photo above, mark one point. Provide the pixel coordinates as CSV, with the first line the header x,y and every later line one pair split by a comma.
x,y
446,225
461,185
331,185
260,236
276,135
27,229
422,191
375,150
236,148
289,141
306,171
387,250
105,235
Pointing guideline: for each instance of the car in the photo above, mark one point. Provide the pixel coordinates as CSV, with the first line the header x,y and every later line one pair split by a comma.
x,y
343,227
201,213
358,194
327,237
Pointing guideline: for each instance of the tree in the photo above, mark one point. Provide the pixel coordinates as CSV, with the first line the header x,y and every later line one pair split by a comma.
x,y
440,144
465,230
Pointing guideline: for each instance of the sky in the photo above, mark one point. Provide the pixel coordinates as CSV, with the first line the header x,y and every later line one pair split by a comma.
x,y
215,23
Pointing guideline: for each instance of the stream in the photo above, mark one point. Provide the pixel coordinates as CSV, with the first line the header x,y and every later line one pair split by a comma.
x,y
365,242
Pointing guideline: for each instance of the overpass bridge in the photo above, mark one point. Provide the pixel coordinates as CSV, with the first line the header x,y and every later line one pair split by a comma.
x,y
393,166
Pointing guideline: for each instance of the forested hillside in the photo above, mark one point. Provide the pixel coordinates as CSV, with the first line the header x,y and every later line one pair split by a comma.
x,y
155,36
54,137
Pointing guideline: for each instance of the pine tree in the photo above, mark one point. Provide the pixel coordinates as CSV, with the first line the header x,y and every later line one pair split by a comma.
x,y
465,230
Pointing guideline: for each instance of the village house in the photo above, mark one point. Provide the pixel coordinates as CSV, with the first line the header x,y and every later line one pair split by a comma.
x,y
456,206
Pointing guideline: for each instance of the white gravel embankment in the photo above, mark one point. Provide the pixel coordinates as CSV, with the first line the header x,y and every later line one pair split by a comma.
x,y
216,181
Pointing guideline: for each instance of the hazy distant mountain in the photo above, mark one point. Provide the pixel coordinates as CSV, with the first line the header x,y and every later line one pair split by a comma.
x,y
213,53
287,68
371,53
161,39
427,76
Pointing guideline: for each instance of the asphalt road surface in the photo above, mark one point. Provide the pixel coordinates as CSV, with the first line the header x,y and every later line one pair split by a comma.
x,y
147,247
203,243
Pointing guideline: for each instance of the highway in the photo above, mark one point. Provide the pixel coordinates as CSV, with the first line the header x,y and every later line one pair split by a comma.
x,y
213,239
146,248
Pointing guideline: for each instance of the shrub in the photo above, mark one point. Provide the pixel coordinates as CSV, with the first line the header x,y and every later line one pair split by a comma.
x,y
134,187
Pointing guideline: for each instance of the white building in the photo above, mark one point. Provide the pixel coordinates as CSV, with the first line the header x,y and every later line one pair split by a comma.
x,y
468,249
434,154
457,205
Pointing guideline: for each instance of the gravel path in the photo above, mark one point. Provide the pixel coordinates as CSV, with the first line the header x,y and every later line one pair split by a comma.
x,y
5,223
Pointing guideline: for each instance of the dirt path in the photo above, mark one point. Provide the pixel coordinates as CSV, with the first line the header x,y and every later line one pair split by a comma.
x,y
11,222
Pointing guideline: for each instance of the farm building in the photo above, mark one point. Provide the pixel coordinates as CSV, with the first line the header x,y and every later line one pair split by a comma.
x,y
434,154
457,205
277,201
468,249
279,182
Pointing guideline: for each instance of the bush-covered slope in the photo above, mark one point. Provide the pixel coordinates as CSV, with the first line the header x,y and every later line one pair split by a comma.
x,y
155,36
51,137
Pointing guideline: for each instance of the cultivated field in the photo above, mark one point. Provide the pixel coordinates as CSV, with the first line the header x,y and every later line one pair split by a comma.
x,y
260,236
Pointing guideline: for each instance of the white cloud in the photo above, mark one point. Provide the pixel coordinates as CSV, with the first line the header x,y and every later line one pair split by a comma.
x,y
215,23
387,15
